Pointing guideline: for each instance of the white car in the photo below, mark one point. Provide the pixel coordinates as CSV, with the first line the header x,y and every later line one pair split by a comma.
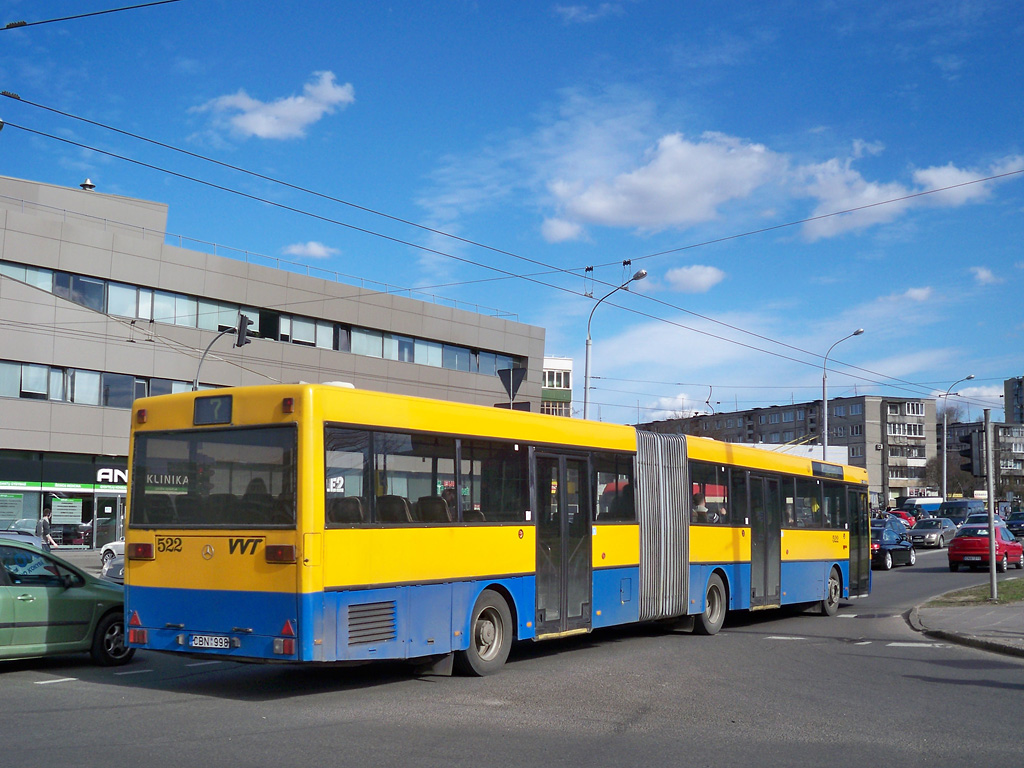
x,y
112,550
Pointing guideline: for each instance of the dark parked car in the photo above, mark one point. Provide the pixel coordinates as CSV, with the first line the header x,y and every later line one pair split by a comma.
x,y
891,522
970,547
53,608
1015,524
889,548
933,532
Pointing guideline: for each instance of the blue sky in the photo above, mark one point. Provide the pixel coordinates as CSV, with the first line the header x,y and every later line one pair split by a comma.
x,y
708,143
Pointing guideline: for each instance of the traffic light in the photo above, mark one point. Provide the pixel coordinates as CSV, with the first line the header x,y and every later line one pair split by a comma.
x,y
972,452
243,330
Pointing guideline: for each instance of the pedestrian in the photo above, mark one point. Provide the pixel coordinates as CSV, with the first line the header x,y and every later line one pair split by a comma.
x,y
43,530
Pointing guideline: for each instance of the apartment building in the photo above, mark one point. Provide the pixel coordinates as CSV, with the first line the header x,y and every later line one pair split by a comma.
x,y
892,438
556,388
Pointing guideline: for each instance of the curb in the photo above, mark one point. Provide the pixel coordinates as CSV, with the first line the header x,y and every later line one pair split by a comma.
x,y
914,620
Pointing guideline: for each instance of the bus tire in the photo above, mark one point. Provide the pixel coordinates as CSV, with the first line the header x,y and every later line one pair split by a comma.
x,y
490,636
109,643
830,605
709,622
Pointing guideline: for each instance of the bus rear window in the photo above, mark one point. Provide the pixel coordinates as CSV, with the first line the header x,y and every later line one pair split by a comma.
x,y
217,478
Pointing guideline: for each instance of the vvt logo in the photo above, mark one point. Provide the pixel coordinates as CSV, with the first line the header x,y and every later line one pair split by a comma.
x,y
243,546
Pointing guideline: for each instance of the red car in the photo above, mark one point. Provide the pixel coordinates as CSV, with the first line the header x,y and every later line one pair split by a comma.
x,y
908,519
970,547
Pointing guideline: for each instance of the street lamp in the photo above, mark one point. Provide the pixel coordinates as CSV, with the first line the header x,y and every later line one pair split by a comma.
x,y
586,368
944,458
824,394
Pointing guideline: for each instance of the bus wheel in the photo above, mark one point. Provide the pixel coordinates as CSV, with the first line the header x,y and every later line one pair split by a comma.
x,y
830,605
490,639
709,622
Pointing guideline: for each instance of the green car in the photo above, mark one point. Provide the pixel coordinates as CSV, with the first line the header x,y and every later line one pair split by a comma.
x,y
48,607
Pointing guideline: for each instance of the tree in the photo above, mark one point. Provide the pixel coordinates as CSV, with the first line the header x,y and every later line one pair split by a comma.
x,y
958,482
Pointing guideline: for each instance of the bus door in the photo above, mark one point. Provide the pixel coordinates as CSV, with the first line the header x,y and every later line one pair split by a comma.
x,y
765,542
860,543
563,509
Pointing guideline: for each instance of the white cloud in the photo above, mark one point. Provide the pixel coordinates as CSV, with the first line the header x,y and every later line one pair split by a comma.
x,y
918,294
985,276
285,118
681,183
581,14
694,279
312,250
560,230
838,187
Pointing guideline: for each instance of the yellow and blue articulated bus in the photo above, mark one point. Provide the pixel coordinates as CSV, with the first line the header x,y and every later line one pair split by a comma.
x,y
316,523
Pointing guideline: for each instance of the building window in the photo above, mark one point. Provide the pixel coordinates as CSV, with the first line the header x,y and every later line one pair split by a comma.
x,y
915,409
773,418
840,410
787,416
894,409
840,431
899,429
801,414
856,409
856,430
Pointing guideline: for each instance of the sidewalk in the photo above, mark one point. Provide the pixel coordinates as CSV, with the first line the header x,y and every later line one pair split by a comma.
x,y
997,628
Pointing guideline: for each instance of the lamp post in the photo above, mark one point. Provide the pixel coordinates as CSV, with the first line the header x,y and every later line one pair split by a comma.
x,y
640,275
824,394
944,455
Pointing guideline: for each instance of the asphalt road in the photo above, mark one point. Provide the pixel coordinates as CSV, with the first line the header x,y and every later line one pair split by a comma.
x,y
776,688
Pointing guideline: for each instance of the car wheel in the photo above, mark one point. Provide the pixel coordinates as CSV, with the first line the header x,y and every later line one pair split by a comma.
x,y
1004,564
1020,561
107,556
490,639
954,567
913,556
942,542
109,648
887,562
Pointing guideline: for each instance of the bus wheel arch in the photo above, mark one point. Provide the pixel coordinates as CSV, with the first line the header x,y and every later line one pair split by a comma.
x,y
833,592
491,632
716,604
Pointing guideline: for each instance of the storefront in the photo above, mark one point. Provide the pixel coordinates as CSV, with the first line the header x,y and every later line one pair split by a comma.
x,y
86,495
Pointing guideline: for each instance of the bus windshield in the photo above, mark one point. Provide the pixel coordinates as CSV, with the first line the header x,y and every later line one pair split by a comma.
x,y
215,478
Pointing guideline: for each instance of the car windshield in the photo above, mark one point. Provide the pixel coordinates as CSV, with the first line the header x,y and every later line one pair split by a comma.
x,y
1016,517
876,534
928,524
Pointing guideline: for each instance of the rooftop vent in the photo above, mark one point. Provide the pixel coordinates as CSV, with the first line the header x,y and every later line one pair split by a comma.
x,y
87,185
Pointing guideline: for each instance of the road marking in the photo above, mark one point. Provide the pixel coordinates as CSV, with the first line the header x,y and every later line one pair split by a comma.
x,y
915,645
863,642
779,637
203,663
847,616
136,672
58,680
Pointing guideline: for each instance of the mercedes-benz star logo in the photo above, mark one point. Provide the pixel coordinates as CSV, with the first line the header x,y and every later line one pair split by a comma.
x,y
208,552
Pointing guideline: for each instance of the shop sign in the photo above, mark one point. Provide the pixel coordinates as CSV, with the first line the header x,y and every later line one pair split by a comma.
x,y
66,511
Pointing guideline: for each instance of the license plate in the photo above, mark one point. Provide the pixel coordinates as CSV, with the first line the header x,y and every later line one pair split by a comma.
x,y
972,557
210,641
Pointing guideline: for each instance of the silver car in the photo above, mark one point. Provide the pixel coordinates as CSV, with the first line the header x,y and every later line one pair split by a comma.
x,y
932,532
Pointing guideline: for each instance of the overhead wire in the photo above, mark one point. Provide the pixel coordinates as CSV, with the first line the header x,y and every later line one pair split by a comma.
x,y
22,24
505,274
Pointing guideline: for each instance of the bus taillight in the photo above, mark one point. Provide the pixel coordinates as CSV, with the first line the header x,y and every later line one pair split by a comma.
x,y
135,635
285,646
281,553
139,550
